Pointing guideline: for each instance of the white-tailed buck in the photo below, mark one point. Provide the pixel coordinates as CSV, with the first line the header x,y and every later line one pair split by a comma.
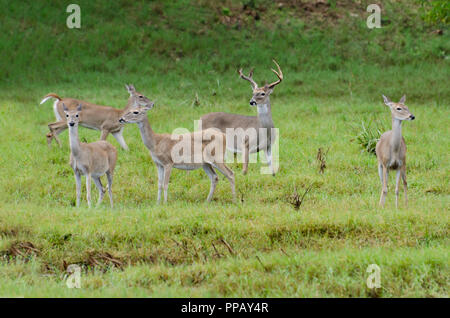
x,y
257,132
203,149
103,118
92,160
391,149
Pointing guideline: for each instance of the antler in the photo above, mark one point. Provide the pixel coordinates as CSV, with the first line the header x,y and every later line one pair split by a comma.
x,y
279,75
248,78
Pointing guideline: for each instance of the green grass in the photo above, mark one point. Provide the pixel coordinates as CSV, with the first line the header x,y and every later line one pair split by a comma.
x,y
335,72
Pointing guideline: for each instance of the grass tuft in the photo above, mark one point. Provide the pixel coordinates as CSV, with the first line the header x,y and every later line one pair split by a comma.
x,y
369,134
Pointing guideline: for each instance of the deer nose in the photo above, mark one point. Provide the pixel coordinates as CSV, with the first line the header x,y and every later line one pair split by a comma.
x,y
72,124
412,117
252,103
121,120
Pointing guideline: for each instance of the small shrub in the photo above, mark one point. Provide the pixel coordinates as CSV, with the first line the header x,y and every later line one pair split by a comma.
x,y
322,159
295,200
369,134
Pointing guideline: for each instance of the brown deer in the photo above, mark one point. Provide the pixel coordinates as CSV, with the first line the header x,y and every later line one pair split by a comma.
x,y
245,125
207,151
98,117
92,160
391,149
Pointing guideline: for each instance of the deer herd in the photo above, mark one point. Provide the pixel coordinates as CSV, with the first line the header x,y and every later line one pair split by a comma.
x,y
206,148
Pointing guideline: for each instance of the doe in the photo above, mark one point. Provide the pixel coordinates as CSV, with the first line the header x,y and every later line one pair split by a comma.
x,y
90,159
98,117
204,151
391,149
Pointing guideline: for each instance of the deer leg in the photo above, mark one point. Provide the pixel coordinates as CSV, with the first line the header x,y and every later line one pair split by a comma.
x,y
160,181
104,134
405,184
228,173
245,155
55,135
397,182
49,137
55,129
120,140
88,189
269,159
78,187
167,171
101,190
384,186
214,179
380,173
109,175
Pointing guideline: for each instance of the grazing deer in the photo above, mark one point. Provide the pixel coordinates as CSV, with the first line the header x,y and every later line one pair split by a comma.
x,y
391,149
103,118
163,151
258,141
92,160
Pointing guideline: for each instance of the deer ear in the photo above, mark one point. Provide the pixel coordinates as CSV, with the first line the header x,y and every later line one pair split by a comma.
x,y
402,100
65,107
149,106
130,89
387,101
79,107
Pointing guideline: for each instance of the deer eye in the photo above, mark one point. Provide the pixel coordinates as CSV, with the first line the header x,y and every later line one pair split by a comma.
x,y
135,113
76,116
262,94
141,96
67,116
398,108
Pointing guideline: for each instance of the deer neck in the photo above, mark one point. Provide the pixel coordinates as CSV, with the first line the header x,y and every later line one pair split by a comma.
x,y
147,134
74,141
265,114
396,134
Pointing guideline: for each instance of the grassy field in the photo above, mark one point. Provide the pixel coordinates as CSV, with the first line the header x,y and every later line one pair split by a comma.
x,y
335,72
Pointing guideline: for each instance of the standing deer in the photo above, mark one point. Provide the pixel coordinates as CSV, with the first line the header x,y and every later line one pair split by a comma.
x,y
391,149
249,143
163,151
92,160
103,118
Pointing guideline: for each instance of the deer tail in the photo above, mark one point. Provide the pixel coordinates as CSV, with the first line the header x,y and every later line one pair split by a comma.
x,y
49,96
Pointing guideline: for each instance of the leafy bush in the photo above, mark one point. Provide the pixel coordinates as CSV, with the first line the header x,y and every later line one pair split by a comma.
x,y
369,134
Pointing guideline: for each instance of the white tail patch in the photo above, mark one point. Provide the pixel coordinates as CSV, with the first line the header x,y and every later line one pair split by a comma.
x,y
55,109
